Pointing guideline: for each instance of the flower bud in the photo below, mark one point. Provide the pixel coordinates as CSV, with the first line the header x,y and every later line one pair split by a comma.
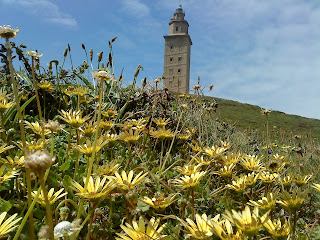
x,y
39,161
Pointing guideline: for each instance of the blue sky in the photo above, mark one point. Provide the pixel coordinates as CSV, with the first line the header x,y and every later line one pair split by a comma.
x,y
262,52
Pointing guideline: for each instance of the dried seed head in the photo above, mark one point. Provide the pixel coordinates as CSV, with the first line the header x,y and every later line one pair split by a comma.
x,y
83,46
211,87
100,56
113,39
144,82
121,77
91,54
39,161
69,48
50,65
65,52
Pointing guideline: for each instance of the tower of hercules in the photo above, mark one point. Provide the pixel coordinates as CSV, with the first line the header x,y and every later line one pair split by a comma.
x,y
178,43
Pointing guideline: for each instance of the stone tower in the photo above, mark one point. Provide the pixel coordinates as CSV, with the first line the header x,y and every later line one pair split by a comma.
x,y
178,43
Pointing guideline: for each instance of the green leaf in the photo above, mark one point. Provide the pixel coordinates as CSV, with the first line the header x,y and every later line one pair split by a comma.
x,y
143,206
67,182
6,205
65,166
23,107
83,79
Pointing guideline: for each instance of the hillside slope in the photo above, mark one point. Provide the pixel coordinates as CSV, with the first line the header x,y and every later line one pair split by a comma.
x,y
246,116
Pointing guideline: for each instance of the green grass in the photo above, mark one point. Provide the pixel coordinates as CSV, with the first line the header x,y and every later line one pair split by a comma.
x,y
248,117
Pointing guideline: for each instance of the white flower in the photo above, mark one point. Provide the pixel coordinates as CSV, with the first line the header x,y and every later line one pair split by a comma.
x,y
8,32
62,229
102,75
33,54
66,229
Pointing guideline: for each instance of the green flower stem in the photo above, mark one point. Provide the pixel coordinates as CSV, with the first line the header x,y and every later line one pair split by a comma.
x,y
110,211
174,136
267,139
58,75
294,225
94,206
193,209
29,213
48,207
86,219
77,157
23,137
30,210
96,137
69,143
3,128
129,158
52,144
37,95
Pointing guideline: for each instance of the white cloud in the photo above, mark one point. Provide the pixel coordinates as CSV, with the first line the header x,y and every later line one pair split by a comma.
x,y
136,8
46,10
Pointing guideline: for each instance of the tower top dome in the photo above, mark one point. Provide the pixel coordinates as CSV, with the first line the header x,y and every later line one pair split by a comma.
x,y
179,9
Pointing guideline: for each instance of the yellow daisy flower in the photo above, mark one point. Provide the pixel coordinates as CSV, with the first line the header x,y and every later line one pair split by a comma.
x,y
52,198
142,230
9,225
248,222
127,182
190,181
96,188
74,118
159,202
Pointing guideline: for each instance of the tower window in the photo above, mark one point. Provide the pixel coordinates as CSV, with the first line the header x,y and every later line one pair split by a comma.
x,y
179,59
171,60
171,48
177,29
179,71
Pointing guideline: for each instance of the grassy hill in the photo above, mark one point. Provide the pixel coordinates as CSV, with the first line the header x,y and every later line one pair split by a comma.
x,y
248,117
